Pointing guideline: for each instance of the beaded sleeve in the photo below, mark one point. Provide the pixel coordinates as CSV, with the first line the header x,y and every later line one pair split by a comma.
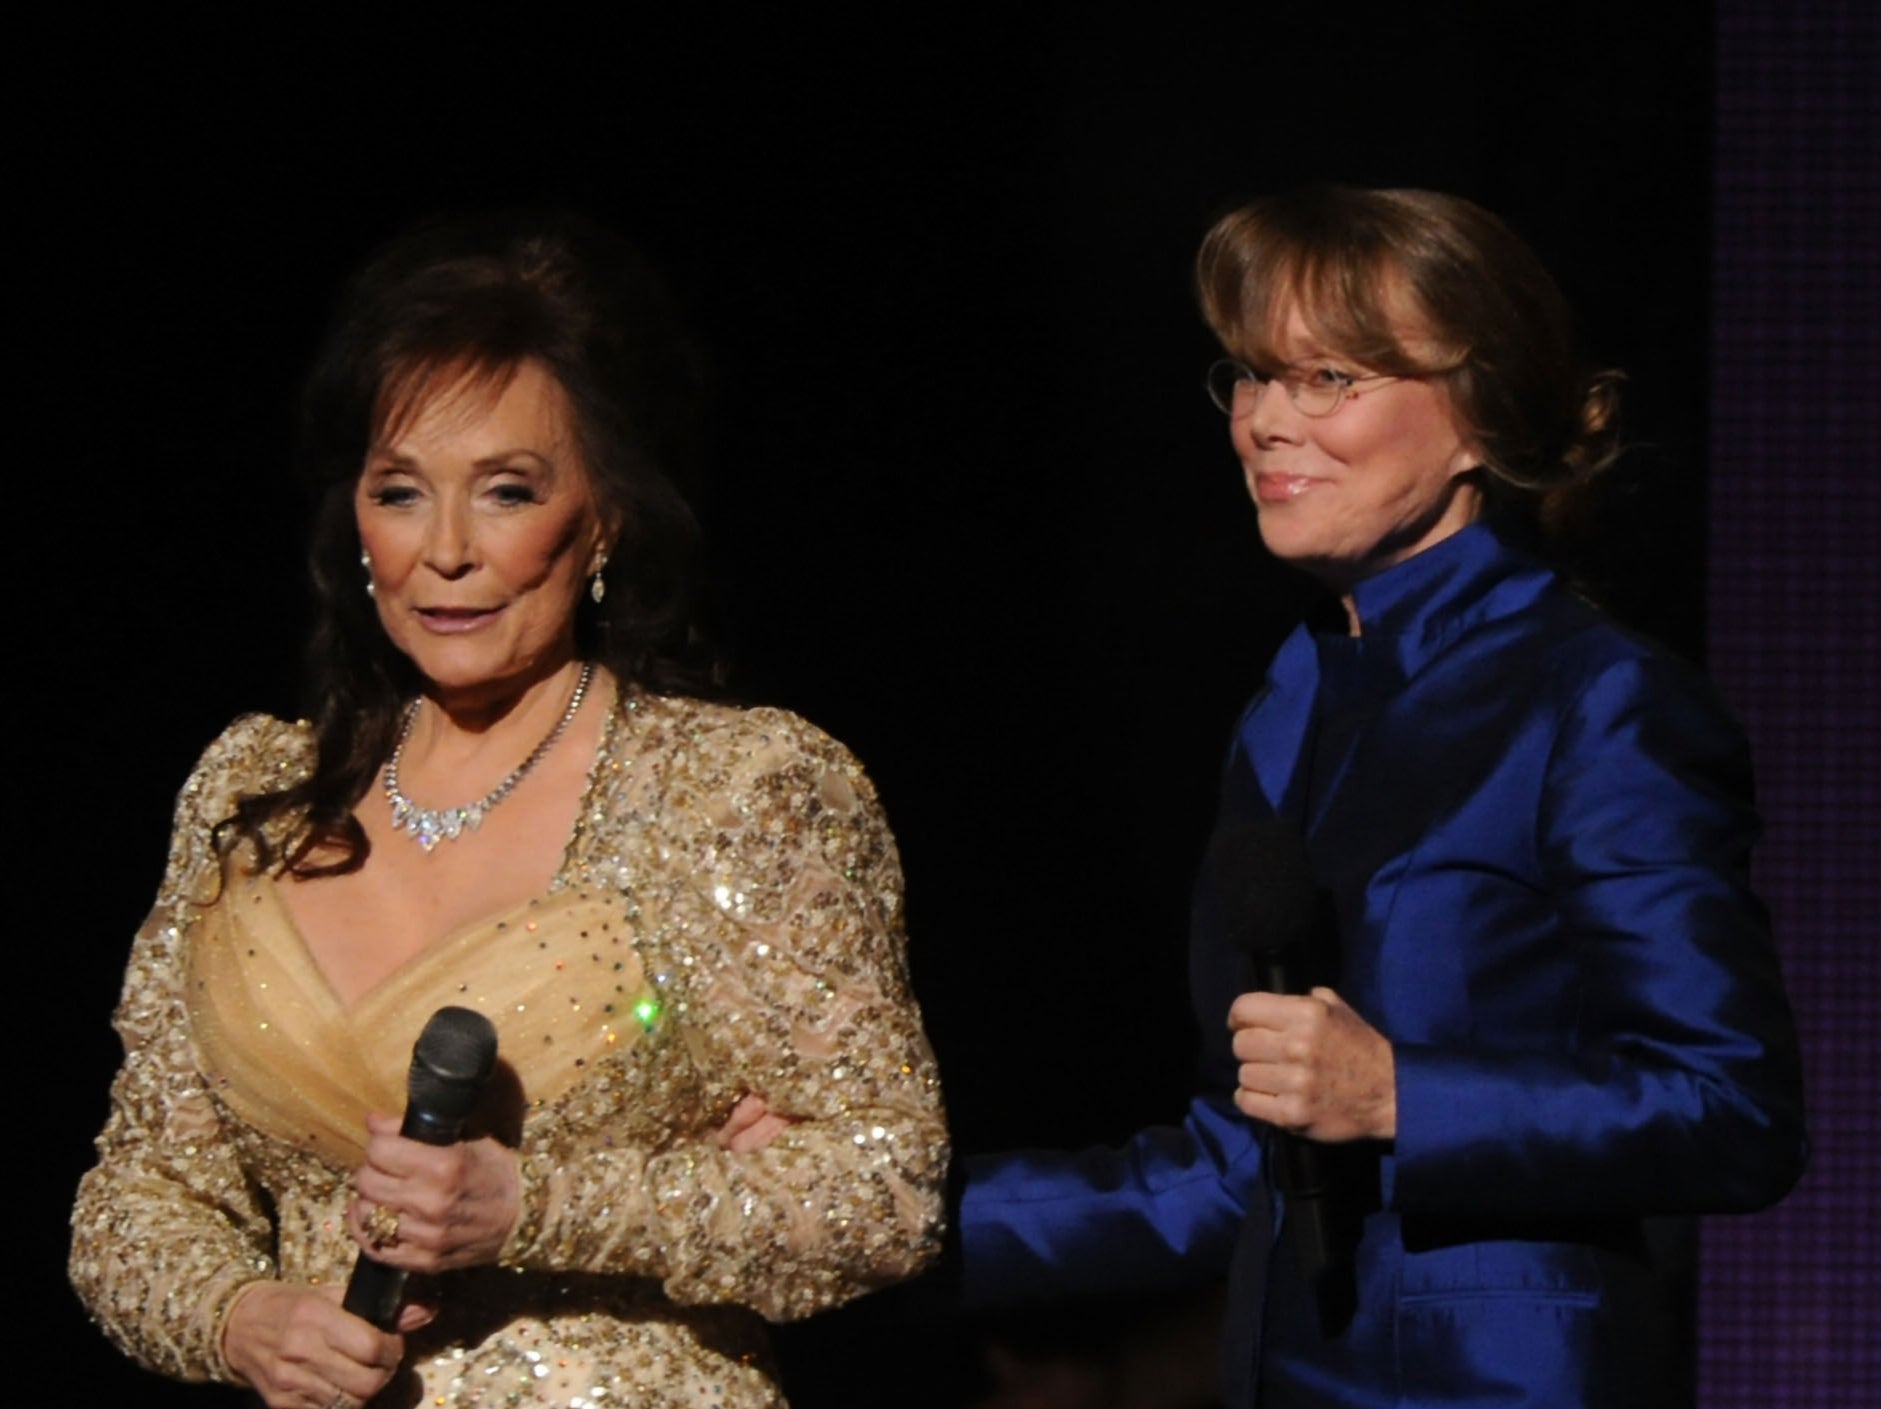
x,y
167,1228
769,894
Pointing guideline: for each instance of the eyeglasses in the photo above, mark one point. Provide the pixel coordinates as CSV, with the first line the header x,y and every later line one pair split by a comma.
x,y
1314,390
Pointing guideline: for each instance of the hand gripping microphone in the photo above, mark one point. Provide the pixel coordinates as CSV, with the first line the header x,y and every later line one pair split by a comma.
x,y
1270,910
450,1062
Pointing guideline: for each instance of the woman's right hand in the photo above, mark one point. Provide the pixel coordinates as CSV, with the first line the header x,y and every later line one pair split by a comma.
x,y
298,1350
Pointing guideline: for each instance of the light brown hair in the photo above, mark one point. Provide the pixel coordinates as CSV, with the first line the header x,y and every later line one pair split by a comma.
x,y
1417,283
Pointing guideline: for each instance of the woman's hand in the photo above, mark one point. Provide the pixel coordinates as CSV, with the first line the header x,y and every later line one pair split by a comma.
x,y
430,1208
751,1126
1311,1065
298,1350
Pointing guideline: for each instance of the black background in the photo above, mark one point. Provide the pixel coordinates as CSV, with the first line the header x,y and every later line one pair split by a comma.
x,y
971,512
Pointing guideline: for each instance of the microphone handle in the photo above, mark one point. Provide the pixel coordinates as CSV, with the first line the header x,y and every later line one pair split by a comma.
x,y
1297,1166
1271,971
375,1292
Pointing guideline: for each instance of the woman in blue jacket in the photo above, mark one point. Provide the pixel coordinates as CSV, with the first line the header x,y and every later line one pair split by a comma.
x,y
1552,1007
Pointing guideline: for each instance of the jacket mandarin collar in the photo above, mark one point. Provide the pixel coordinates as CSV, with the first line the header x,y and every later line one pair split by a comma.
x,y
1409,613
1413,610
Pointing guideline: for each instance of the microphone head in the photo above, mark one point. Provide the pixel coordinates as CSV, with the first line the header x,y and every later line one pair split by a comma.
x,y
1263,883
451,1060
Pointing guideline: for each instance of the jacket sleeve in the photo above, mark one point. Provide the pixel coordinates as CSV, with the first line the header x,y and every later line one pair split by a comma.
x,y
167,1229
784,940
1161,1212
1679,1089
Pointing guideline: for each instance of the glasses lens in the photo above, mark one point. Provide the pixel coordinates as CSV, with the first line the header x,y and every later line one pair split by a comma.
x,y
1315,393
1223,378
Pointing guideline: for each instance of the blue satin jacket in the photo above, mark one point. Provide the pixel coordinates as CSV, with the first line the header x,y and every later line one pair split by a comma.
x,y
1534,828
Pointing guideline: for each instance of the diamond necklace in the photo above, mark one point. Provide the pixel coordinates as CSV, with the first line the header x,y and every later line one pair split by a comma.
x,y
429,826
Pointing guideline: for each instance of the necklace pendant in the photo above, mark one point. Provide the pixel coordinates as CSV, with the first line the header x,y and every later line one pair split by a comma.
x,y
428,827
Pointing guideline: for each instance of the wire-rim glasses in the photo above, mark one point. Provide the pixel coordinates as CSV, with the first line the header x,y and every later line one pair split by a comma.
x,y
1314,389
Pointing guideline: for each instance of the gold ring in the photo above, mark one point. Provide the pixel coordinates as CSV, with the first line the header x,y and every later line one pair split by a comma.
x,y
382,1229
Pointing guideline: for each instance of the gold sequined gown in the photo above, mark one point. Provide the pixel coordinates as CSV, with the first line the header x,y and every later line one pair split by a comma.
x,y
726,918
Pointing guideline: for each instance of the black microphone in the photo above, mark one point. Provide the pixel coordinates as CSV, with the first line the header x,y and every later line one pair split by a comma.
x,y
450,1062
1271,910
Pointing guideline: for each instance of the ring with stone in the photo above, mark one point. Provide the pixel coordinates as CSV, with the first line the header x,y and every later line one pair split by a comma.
x,y
382,1227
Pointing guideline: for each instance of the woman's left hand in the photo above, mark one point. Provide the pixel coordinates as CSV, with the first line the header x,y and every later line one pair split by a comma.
x,y
430,1208
751,1126
1311,1065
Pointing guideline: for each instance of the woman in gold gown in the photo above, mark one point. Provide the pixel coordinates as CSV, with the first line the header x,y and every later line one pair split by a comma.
x,y
511,799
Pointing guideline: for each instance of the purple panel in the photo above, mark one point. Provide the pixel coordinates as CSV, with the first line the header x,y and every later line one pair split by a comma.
x,y
1788,1302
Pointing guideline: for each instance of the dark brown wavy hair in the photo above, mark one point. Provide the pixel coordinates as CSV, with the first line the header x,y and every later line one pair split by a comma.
x,y
457,299
1366,267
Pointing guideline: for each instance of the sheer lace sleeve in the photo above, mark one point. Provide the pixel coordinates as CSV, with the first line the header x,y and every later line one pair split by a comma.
x,y
769,893
167,1229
